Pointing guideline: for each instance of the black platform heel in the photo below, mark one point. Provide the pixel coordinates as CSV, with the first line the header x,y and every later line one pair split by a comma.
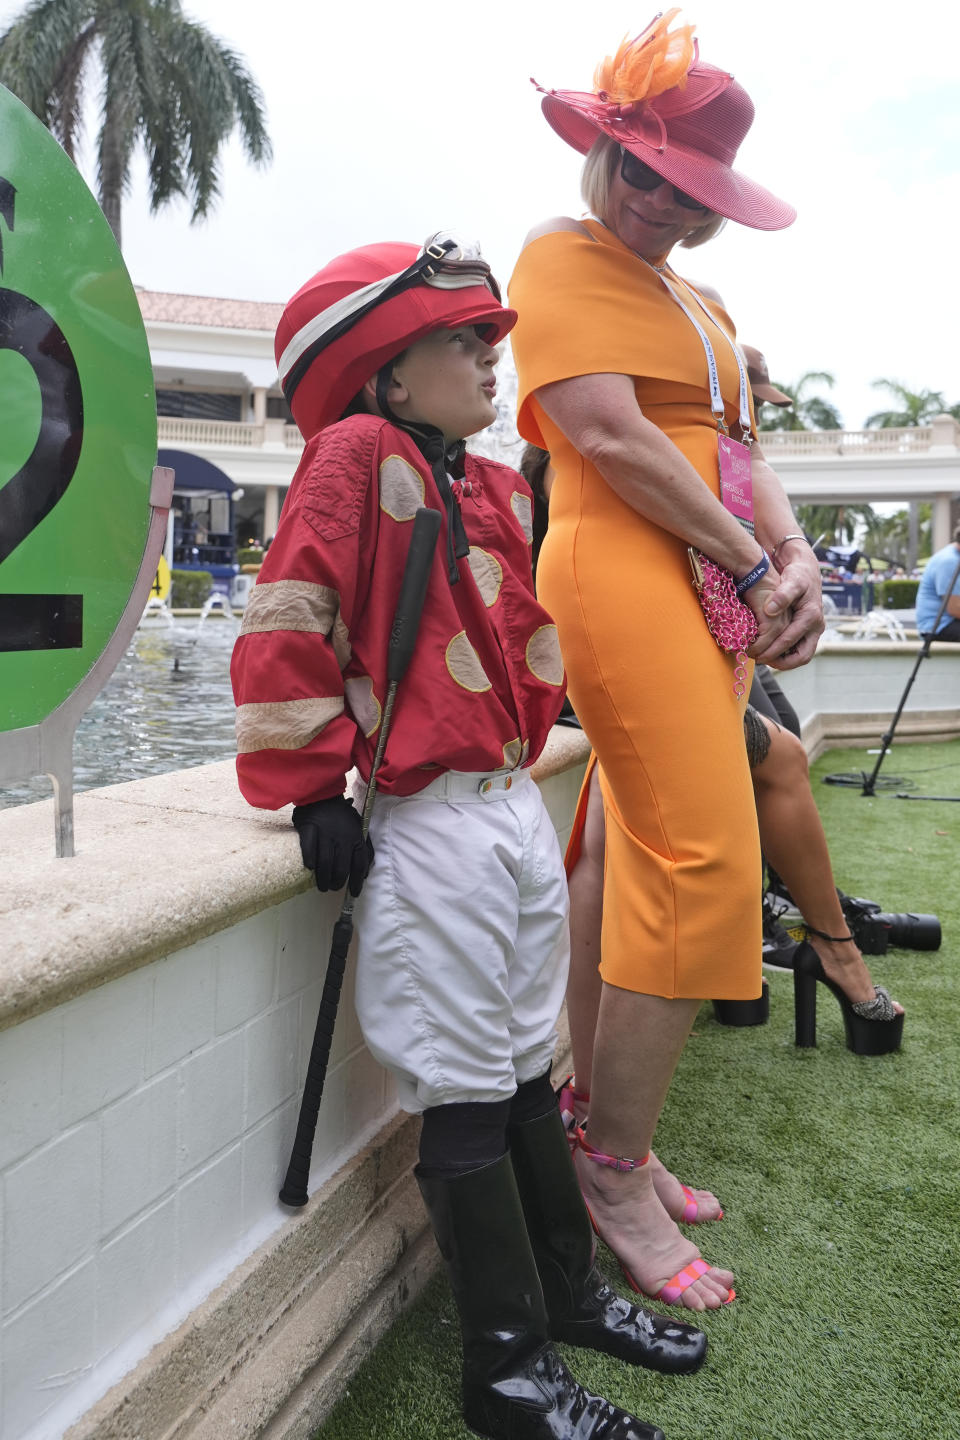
x,y
867,1034
744,1012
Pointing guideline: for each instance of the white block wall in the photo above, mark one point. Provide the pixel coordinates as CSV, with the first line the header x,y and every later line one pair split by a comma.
x,y
145,1128
868,679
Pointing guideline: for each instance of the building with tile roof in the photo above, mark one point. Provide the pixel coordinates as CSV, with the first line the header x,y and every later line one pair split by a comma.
x,y
218,396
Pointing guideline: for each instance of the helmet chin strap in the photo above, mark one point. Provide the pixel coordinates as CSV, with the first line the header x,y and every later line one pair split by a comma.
x,y
441,458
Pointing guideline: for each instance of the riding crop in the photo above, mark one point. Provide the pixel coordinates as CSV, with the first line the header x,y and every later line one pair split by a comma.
x,y
403,635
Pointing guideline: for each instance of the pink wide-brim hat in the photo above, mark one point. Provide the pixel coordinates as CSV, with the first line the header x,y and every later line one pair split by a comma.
x,y
689,134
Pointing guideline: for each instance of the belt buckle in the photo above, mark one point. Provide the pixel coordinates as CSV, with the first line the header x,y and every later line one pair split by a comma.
x,y
490,784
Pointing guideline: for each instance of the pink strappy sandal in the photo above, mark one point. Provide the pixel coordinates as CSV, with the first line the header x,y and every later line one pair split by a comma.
x,y
567,1096
691,1211
671,1292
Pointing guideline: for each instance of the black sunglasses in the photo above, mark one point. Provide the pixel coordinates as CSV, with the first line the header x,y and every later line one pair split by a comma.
x,y
641,177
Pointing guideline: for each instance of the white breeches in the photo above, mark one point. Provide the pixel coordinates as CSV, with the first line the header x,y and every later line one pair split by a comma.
x,y
463,943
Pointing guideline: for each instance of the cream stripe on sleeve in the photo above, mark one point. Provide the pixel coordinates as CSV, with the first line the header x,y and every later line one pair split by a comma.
x,y
290,605
284,724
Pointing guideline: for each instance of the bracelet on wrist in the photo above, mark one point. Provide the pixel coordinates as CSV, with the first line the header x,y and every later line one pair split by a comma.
x,y
757,573
783,540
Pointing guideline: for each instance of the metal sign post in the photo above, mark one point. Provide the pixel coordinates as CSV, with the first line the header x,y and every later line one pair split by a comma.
x,y
83,510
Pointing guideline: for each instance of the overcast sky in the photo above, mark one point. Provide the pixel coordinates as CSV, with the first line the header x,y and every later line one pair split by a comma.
x,y
389,121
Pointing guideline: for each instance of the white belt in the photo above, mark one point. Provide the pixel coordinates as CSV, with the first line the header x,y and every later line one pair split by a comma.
x,y
462,785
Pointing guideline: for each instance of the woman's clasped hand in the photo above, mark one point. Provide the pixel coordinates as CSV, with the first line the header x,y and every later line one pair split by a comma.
x,y
789,612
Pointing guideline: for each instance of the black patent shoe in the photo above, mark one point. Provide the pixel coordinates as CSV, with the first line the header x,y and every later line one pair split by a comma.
x,y
872,1027
608,1322
542,1401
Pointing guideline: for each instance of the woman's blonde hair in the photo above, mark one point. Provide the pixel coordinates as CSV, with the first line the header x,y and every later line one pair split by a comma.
x,y
599,168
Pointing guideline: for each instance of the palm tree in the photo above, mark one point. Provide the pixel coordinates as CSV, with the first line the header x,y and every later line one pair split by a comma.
x,y
900,538
808,412
839,523
167,84
916,406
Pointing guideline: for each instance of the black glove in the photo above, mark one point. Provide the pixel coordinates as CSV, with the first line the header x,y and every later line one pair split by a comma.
x,y
332,843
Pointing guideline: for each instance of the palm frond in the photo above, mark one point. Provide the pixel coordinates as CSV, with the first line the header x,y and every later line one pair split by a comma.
x,y
198,78
821,414
917,406
121,110
32,50
250,110
773,417
884,420
66,119
166,82
896,387
816,377
162,128
808,412
215,95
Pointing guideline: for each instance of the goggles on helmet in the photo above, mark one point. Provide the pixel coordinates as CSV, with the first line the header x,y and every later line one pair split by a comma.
x,y
445,262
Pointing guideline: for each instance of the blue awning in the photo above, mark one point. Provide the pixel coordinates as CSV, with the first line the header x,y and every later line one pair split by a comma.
x,y
193,474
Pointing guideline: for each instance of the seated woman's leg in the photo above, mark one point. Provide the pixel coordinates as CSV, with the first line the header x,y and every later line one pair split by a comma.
x,y
792,838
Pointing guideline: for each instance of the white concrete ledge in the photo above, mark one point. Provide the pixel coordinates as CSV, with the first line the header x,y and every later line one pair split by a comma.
x,y
160,864
831,732
848,694
875,647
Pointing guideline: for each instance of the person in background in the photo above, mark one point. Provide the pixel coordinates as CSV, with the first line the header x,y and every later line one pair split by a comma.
x,y
758,374
940,577
632,382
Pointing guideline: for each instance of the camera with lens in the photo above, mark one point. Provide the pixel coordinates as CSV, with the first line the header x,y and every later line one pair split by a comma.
x,y
875,930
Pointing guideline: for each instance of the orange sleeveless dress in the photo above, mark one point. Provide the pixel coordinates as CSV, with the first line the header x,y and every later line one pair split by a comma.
x,y
654,693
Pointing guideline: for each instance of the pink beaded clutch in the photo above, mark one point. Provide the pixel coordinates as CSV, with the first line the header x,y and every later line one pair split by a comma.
x,y
731,623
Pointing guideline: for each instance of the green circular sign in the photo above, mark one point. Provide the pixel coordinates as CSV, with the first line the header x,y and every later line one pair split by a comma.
x,y
78,441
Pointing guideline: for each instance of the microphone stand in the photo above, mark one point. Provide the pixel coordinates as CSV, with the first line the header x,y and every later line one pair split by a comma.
x,y
869,783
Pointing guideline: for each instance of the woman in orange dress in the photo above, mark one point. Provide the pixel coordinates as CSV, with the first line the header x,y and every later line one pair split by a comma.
x,y
629,377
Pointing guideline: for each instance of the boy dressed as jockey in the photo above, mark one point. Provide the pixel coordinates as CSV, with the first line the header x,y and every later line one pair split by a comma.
x,y
386,359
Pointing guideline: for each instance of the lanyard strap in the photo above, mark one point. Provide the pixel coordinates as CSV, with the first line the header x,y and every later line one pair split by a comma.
x,y
716,399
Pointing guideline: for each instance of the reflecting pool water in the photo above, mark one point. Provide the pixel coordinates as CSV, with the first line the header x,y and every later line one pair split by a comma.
x,y
167,706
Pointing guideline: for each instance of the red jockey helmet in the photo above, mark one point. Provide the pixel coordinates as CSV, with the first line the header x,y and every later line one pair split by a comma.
x,y
366,307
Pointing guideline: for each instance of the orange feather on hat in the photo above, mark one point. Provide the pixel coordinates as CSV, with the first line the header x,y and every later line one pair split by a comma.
x,y
651,63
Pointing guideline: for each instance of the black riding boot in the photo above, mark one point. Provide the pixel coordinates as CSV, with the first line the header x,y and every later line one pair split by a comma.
x,y
515,1386
582,1308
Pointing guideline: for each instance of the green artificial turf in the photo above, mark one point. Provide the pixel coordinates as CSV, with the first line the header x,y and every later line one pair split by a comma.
x,y
840,1177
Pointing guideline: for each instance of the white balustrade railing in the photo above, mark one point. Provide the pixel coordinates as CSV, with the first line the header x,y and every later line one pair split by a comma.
x,y
176,429
909,440
905,440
